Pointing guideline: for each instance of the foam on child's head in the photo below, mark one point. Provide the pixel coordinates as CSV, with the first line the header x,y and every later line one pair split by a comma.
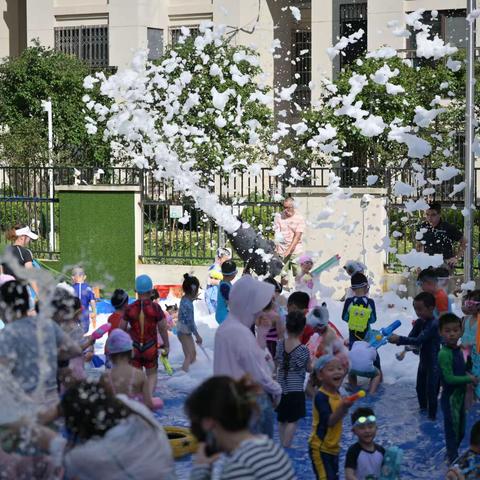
x,y
323,361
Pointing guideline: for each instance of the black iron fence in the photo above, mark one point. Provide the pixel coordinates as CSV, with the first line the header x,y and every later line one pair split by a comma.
x,y
174,231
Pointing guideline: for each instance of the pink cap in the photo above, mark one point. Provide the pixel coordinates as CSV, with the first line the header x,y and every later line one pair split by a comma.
x,y
304,259
118,342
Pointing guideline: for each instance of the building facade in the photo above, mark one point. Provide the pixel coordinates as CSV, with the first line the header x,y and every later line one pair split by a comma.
x,y
105,33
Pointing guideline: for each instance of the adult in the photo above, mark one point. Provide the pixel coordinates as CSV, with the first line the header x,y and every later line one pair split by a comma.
x,y
20,236
289,227
214,277
220,410
236,352
438,237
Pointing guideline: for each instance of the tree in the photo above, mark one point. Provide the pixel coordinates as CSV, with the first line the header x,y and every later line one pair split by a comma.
x,y
206,102
40,73
391,90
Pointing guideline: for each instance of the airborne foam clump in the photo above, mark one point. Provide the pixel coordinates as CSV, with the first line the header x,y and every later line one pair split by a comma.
x,y
421,260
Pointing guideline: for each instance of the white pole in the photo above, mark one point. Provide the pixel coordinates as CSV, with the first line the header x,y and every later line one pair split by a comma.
x,y
469,137
47,106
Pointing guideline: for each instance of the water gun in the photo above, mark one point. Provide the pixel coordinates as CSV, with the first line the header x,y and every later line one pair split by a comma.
x,y
381,338
326,265
392,461
356,396
97,361
166,364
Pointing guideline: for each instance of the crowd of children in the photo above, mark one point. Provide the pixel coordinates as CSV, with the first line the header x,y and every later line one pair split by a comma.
x,y
272,353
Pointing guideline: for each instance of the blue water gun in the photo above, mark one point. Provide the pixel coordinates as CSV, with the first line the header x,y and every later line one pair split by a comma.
x,y
381,337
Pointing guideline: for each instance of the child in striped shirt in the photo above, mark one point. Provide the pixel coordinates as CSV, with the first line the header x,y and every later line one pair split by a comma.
x,y
293,360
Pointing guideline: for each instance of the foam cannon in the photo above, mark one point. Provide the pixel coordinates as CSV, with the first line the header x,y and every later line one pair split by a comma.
x,y
257,252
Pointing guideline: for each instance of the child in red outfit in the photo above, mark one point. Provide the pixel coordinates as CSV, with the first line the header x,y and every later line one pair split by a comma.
x,y
142,320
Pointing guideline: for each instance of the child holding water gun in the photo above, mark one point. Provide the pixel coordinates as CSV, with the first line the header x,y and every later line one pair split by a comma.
x,y
304,279
293,362
186,321
122,377
329,408
428,340
365,458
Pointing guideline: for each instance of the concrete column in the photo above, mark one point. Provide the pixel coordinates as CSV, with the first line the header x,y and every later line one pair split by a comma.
x,y
322,18
40,22
379,13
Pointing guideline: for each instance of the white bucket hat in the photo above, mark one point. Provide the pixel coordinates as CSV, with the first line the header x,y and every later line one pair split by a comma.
x,y
27,232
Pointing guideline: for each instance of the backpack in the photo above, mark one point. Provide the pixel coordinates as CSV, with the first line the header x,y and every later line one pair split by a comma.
x,y
358,317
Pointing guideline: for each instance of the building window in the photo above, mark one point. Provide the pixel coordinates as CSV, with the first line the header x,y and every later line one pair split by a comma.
x,y
155,43
89,43
302,68
353,17
176,33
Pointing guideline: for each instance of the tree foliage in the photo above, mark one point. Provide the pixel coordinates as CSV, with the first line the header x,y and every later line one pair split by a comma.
x,y
427,85
40,73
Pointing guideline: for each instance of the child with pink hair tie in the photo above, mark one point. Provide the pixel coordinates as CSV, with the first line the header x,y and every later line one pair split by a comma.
x,y
304,281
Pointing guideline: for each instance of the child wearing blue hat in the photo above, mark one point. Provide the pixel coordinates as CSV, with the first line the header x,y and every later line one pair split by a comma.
x,y
144,318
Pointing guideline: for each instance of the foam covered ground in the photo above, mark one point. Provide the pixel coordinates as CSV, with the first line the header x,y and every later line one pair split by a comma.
x,y
395,404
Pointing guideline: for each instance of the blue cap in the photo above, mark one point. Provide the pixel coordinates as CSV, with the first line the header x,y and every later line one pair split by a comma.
x,y
143,284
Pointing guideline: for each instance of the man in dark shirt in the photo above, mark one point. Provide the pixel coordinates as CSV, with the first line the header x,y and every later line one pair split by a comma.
x,y
439,237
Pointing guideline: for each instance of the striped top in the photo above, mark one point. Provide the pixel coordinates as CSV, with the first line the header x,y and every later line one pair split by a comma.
x,y
255,459
292,367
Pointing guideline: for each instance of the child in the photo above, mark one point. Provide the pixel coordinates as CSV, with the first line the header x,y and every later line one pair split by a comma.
x,y
214,278
362,359
359,310
454,380
298,301
468,464
186,321
364,459
122,377
171,313
271,322
119,302
144,319
304,279
427,280
428,339
471,309
328,411
293,362
352,267
229,271
87,297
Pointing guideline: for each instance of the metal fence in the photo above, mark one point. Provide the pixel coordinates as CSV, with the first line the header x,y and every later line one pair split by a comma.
x,y
176,232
